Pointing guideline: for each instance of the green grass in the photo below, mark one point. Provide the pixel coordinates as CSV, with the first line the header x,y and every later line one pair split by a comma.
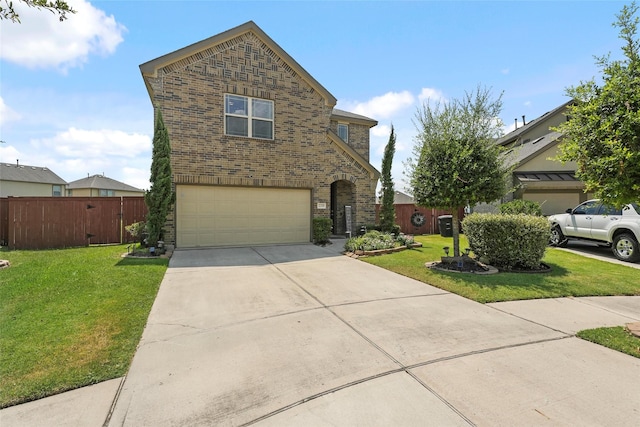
x,y
571,275
615,338
71,317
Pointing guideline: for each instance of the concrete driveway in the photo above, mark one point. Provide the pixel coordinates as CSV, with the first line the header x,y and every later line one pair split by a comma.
x,y
303,336
299,335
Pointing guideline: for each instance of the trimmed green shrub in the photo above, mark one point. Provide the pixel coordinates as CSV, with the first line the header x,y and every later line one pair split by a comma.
x,y
507,241
526,207
321,230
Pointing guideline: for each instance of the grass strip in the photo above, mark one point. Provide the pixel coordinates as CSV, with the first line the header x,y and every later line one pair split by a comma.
x,y
71,317
615,338
571,275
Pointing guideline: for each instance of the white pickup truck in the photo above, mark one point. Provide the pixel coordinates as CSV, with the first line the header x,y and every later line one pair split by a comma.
x,y
605,225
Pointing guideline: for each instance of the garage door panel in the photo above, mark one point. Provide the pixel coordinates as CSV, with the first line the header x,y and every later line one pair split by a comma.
x,y
234,216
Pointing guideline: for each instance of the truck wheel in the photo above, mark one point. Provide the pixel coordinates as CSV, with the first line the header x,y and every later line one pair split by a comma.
x,y
625,247
557,238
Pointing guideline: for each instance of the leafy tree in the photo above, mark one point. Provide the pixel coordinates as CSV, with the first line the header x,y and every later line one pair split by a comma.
x,y
458,163
602,134
160,196
59,7
387,192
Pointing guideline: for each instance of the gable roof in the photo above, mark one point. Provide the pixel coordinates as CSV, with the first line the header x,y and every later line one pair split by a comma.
x,y
513,135
26,173
522,153
197,51
349,152
101,182
337,114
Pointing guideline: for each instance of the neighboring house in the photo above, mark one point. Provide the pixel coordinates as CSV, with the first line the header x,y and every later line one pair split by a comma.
x,y
29,181
257,148
399,198
532,149
101,186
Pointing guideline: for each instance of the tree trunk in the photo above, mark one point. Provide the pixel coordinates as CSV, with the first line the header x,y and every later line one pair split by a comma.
x,y
455,231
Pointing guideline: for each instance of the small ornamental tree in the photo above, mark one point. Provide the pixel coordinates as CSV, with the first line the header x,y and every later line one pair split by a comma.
x,y
387,192
456,160
160,197
602,134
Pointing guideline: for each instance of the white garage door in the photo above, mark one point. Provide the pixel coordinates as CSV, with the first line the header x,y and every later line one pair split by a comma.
x,y
240,216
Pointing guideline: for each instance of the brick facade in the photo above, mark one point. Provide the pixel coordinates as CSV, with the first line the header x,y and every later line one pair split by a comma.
x,y
190,89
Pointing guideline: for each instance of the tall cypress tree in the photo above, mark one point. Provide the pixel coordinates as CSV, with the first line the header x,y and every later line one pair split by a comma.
x,y
160,197
387,210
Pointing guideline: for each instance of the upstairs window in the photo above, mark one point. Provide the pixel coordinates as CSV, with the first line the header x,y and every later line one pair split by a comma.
x,y
250,117
343,132
57,190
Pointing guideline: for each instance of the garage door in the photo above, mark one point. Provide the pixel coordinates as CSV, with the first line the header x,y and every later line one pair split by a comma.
x,y
240,216
554,203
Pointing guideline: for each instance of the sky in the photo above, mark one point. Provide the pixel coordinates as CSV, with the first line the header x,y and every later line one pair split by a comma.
x,y
72,98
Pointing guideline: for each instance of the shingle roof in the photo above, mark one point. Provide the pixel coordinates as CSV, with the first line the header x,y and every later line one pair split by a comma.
x,y
101,182
524,152
26,173
353,117
399,198
512,136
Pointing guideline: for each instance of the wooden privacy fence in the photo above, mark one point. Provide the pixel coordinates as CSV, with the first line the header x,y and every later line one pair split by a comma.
x,y
59,222
404,212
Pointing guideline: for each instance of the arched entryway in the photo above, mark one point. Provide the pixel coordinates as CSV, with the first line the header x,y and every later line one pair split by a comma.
x,y
342,194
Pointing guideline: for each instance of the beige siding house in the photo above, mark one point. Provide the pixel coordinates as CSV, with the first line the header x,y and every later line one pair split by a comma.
x,y
29,181
101,186
532,148
257,148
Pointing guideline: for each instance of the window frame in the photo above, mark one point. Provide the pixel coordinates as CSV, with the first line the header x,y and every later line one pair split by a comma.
x,y
109,193
53,190
344,126
250,116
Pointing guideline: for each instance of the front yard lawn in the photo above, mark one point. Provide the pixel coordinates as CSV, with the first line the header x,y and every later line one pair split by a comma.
x,y
571,275
71,317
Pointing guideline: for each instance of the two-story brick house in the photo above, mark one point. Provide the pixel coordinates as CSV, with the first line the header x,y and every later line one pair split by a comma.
x,y
257,148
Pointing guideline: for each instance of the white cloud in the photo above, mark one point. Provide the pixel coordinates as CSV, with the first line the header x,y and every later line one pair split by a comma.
x,y
138,178
8,153
383,106
7,114
505,71
430,94
381,131
42,41
96,144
